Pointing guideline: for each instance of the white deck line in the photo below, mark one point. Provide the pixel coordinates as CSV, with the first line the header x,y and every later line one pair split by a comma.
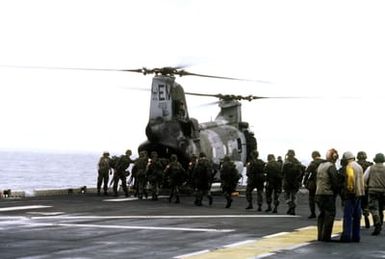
x,y
24,207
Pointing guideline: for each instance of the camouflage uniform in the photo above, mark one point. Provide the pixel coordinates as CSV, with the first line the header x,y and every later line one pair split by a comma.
x,y
121,172
255,179
176,176
310,179
292,171
103,172
229,179
140,179
375,181
202,175
154,174
361,160
273,183
190,170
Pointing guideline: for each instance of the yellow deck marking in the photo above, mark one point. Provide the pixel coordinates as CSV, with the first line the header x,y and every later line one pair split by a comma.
x,y
267,245
270,244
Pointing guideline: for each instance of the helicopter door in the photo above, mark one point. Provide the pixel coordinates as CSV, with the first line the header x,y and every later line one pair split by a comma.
x,y
161,101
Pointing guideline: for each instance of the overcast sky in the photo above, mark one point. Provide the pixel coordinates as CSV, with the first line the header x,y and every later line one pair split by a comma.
x,y
328,49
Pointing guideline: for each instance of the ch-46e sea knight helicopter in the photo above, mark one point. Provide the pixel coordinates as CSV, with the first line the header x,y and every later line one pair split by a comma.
x,y
170,129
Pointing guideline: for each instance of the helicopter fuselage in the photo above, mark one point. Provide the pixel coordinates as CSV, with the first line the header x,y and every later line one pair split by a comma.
x,y
170,130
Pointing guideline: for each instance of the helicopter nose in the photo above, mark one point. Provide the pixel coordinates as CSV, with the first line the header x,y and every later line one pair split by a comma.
x,y
153,132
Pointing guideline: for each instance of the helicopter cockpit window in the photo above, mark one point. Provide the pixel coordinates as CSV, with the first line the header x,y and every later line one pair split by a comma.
x,y
179,109
239,142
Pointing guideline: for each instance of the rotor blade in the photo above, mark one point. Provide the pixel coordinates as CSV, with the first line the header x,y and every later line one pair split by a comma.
x,y
248,97
206,95
140,70
207,104
186,73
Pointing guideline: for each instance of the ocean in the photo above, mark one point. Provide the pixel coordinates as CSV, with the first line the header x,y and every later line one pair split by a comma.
x,y
29,171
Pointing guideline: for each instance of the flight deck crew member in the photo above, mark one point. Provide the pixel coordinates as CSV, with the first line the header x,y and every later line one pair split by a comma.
x,y
326,191
352,191
104,170
292,171
310,180
176,176
229,179
374,178
154,174
273,183
121,172
361,160
255,172
202,177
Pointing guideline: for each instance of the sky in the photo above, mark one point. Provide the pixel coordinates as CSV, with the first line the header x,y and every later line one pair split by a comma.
x,y
331,52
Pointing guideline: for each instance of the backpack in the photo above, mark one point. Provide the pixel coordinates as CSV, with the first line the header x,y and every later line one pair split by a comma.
x,y
114,162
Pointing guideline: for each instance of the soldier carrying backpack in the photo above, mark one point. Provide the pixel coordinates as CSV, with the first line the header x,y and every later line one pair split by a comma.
x,y
121,172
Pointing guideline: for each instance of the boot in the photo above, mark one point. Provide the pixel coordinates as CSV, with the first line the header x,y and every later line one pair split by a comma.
x,y
377,230
367,222
268,208
177,199
290,211
312,215
259,207
250,206
210,200
275,210
228,204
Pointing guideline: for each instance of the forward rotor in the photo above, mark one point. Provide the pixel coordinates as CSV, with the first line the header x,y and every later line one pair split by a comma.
x,y
165,71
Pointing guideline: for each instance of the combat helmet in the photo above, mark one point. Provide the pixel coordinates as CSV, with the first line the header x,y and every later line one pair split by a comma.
x,y
173,158
379,158
315,154
361,155
290,152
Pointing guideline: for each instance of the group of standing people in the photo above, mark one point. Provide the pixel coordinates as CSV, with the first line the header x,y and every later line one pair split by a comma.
x,y
149,173
118,166
274,176
360,184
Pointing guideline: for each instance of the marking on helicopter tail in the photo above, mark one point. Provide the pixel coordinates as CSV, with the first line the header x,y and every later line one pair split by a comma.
x,y
265,246
24,207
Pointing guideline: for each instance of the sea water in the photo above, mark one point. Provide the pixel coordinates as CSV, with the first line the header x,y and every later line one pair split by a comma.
x,y
29,171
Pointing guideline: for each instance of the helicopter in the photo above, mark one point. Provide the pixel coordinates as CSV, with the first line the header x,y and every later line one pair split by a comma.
x,y
170,129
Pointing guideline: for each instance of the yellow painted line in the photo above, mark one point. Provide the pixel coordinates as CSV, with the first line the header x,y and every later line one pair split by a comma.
x,y
267,245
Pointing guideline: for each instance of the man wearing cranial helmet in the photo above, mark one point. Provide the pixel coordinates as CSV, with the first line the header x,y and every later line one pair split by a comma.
x,y
326,191
352,192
